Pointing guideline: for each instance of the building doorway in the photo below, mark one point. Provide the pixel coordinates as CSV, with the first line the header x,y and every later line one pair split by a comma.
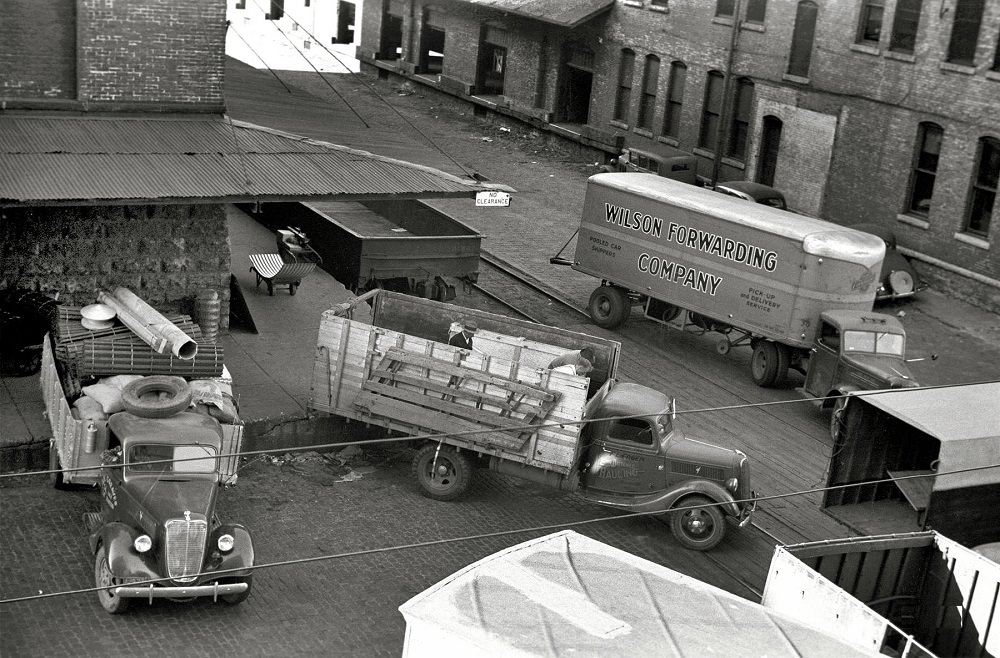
x,y
491,67
770,143
431,47
576,82
391,46
345,22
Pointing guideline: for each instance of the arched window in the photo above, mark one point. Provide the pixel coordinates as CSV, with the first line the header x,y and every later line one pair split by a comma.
x,y
647,103
770,145
968,18
984,188
925,163
802,39
626,68
711,110
739,131
675,99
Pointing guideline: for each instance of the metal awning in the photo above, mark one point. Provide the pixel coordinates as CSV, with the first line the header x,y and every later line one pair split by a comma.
x,y
53,159
564,13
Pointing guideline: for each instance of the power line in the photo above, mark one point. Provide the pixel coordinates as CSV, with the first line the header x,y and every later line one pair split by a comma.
x,y
499,533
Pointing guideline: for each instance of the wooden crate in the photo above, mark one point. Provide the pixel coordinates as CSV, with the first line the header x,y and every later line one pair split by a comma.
x,y
484,400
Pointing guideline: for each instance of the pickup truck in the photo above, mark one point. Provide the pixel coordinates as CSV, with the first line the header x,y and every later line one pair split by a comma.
x,y
500,406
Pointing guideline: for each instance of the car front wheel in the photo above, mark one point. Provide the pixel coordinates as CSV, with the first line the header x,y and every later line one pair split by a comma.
x,y
104,579
698,528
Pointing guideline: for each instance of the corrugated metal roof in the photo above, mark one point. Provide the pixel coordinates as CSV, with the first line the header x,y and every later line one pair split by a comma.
x,y
58,159
565,13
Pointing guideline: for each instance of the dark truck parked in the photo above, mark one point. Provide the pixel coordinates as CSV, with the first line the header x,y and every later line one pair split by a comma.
x,y
157,535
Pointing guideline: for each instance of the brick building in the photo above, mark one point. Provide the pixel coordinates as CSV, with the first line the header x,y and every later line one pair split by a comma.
x,y
883,111
117,157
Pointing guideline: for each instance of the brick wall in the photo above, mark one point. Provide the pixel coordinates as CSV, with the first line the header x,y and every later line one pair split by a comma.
x,y
152,51
38,49
165,254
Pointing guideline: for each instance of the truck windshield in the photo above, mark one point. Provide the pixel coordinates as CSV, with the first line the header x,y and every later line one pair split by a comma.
x,y
873,342
161,458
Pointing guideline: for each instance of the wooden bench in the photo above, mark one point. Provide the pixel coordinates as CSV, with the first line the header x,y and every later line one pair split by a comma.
x,y
271,269
916,487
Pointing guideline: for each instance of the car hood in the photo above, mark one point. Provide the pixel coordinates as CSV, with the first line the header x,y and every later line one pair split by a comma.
x,y
170,499
887,368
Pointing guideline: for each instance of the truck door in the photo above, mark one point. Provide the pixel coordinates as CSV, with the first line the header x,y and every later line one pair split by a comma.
x,y
625,457
824,360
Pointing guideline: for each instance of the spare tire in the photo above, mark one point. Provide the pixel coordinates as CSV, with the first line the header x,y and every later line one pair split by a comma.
x,y
156,396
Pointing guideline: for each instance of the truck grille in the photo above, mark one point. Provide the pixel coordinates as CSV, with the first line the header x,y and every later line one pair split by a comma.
x,y
697,470
185,548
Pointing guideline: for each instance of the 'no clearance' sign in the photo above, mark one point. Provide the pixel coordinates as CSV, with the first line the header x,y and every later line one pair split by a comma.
x,y
492,198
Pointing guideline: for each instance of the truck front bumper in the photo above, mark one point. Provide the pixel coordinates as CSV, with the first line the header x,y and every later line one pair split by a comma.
x,y
746,514
156,592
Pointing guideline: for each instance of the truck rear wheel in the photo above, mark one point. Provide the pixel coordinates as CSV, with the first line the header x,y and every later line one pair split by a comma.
x,y
769,363
442,472
698,528
104,579
609,307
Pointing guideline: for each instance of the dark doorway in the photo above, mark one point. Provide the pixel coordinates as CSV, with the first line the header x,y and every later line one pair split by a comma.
x,y
491,69
431,50
392,37
345,22
576,83
770,142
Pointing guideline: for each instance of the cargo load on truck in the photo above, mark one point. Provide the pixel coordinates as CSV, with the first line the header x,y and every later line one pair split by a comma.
x,y
506,404
758,276
915,595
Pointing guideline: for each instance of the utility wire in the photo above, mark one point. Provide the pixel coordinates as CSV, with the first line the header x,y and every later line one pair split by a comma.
x,y
498,533
229,25
371,88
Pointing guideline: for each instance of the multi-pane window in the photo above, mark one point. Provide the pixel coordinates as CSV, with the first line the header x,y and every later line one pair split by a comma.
x,y
725,7
647,104
922,179
965,31
904,26
870,21
756,9
711,111
675,100
740,129
984,188
802,39
623,98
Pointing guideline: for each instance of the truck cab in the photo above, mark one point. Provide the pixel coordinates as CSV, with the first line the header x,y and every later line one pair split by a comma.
x,y
157,535
662,160
856,351
637,461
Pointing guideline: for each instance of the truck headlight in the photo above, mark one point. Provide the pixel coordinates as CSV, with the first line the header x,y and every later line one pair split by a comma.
x,y
143,543
733,484
226,543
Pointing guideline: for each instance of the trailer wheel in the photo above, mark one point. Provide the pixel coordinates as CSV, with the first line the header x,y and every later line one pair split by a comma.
x,y
609,307
104,579
699,528
156,396
442,472
769,363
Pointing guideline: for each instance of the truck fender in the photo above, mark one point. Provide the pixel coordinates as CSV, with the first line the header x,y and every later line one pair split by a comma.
x,y
242,555
706,488
123,560
831,397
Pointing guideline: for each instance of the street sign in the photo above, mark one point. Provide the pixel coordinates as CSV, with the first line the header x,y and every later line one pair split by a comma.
x,y
492,199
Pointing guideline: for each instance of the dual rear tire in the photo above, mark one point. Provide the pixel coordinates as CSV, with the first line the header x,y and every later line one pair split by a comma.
x,y
769,362
610,307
